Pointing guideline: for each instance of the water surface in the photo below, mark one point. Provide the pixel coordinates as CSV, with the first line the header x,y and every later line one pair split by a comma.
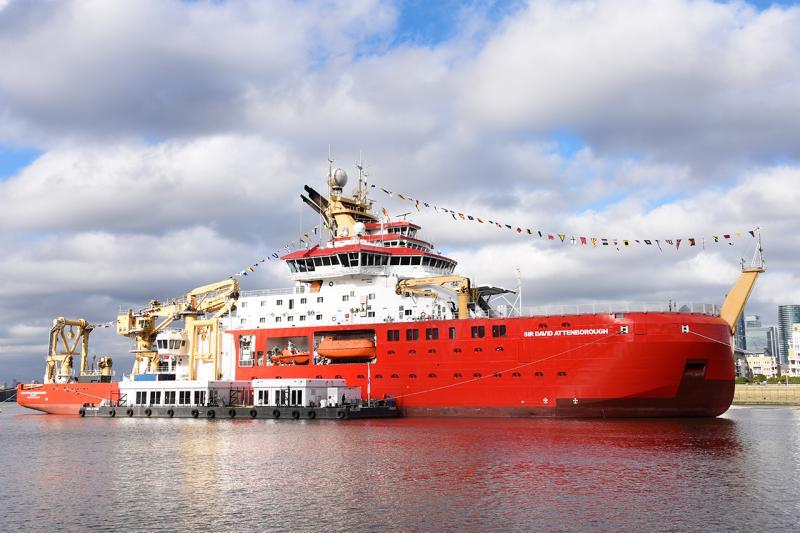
x,y
740,472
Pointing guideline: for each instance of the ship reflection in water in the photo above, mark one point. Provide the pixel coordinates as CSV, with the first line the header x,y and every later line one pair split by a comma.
x,y
739,472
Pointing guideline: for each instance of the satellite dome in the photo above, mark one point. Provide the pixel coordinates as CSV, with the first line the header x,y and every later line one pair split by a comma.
x,y
359,228
338,178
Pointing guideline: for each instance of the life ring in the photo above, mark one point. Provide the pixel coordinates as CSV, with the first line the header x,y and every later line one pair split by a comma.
x,y
148,412
340,414
170,413
210,413
423,316
295,414
82,411
312,414
333,319
232,413
276,413
195,413
129,412
330,284
112,413
253,413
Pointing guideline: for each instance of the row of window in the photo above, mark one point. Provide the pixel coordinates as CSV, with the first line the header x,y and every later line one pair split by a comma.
x,y
354,259
170,344
184,397
303,301
432,334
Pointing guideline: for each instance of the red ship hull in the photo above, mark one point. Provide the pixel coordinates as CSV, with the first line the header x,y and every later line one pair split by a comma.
x,y
644,365
660,365
66,398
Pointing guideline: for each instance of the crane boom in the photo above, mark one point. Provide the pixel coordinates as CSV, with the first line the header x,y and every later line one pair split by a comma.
x,y
142,326
458,285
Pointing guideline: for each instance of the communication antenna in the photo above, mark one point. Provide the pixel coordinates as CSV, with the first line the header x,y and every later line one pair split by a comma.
x,y
361,191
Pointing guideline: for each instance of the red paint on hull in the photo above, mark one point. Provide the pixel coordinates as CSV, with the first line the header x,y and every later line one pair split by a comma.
x,y
67,398
655,369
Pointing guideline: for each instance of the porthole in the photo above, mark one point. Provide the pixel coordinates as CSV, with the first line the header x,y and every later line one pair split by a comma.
x,y
395,376
412,376
538,374
476,375
457,375
432,376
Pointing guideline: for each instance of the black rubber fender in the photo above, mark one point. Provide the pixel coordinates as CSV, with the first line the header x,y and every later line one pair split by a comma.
x,y
112,413
276,413
253,413
340,414
210,413
129,412
82,411
232,413
295,414
148,412
195,413
170,413
312,414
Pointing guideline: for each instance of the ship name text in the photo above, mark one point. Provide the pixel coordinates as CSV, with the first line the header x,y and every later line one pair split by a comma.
x,y
565,332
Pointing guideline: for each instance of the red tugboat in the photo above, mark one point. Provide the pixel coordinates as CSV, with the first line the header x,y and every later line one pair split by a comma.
x,y
376,307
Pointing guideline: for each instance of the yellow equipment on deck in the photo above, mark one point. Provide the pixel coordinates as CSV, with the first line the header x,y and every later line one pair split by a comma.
x,y
142,326
455,284
65,336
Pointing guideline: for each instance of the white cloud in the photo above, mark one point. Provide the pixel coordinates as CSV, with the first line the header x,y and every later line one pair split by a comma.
x,y
177,137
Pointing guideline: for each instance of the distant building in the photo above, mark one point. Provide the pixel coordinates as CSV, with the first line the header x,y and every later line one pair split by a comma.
x,y
793,368
761,363
739,339
787,315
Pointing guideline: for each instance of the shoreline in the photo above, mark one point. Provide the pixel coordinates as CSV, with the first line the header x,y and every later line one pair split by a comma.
x,y
779,395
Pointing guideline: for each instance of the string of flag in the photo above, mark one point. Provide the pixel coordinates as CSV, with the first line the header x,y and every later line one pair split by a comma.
x,y
304,240
566,238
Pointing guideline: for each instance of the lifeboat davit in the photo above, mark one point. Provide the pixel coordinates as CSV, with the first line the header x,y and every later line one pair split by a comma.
x,y
288,357
350,350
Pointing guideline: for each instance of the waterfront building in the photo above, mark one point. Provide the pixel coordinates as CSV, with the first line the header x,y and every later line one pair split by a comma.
x,y
793,368
787,316
761,363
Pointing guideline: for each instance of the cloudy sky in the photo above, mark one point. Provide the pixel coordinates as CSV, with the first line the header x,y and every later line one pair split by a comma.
x,y
150,146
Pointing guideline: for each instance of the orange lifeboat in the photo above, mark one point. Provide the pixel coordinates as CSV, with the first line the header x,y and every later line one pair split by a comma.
x,y
288,357
349,350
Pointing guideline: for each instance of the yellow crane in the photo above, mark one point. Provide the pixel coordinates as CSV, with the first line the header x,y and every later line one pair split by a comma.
x,y
65,336
203,334
458,285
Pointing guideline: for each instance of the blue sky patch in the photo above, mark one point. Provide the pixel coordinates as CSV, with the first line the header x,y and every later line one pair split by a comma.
x,y
12,160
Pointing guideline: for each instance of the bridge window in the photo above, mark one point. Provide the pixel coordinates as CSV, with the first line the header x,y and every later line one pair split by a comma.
x,y
499,330
412,334
334,260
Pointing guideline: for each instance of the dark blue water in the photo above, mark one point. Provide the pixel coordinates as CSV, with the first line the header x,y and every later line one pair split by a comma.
x,y
737,473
